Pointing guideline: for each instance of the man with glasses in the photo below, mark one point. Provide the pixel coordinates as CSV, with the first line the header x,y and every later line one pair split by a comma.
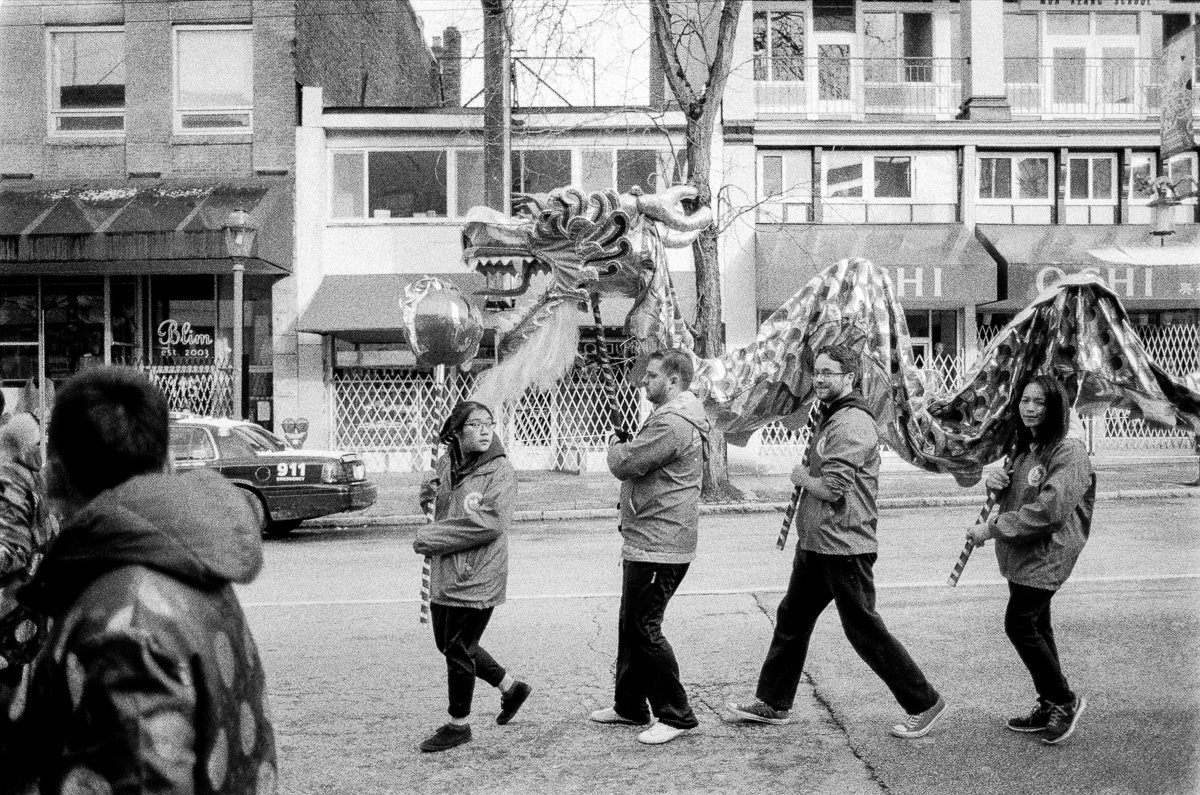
x,y
660,471
835,553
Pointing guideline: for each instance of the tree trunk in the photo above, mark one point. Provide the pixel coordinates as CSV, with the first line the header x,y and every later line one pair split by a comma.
x,y
710,330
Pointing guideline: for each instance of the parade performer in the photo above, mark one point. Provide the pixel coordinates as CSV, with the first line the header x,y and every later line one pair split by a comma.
x,y
835,553
473,492
660,472
1043,523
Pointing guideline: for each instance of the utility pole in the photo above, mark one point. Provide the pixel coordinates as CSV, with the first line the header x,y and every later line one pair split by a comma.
x,y
497,106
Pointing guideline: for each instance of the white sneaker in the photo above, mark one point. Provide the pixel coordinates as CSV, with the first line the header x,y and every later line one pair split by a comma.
x,y
659,733
610,715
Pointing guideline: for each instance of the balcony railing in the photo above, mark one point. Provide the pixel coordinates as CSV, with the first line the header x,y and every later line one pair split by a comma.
x,y
841,86
1090,87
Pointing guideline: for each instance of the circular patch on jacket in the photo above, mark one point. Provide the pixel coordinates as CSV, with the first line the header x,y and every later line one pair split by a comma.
x,y
1035,475
471,502
821,447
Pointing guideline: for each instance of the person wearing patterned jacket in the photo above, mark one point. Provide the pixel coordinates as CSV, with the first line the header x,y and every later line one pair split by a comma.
x,y
150,681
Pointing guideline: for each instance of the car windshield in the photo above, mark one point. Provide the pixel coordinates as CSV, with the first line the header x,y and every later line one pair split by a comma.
x,y
261,440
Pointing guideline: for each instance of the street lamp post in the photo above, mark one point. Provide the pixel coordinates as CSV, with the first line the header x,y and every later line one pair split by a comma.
x,y
240,232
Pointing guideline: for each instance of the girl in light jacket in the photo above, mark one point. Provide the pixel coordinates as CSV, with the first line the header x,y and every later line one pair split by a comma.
x,y
473,491
1043,521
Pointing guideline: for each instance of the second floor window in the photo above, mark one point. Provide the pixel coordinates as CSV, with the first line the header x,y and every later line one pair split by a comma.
x,y
1091,178
1014,178
888,176
540,171
214,79
389,184
87,81
779,45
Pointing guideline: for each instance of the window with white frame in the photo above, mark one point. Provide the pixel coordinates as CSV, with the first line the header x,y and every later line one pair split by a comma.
x,y
214,79
784,186
540,171
638,167
1091,179
898,47
1143,168
1014,178
87,80
390,183
854,175
1181,167
779,45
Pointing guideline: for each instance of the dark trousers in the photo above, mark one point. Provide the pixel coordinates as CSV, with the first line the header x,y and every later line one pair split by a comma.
x,y
456,631
646,666
848,582
1027,624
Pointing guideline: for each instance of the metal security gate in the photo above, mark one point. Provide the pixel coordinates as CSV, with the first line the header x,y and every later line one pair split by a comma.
x,y
196,389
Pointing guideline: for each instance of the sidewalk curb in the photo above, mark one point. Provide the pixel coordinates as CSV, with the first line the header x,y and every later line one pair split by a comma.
x,y
711,509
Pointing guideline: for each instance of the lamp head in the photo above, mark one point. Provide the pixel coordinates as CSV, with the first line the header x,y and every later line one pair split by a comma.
x,y
240,231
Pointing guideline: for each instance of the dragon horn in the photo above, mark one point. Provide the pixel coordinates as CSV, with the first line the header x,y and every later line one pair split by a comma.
x,y
667,207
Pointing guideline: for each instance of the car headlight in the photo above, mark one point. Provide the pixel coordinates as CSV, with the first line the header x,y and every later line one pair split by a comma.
x,y
329,472
354,468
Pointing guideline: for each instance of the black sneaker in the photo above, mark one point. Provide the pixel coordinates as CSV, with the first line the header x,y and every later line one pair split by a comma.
x,y
511,701
758,712
1035,721
446,737
1063,718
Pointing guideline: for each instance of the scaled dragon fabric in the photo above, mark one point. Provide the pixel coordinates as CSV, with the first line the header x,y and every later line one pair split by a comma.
x,y
1077,330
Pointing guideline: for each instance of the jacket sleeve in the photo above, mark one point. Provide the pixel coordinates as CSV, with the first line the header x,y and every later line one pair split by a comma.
x,y
1068,476
487,507
16,528
848,445
134,725
657,444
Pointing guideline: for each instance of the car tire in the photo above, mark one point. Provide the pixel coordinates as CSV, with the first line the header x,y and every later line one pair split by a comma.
x,y
280,529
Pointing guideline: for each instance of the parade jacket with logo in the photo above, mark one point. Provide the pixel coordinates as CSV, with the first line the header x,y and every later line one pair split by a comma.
x,y
469,539
150,681
661,471
1045,515
844,453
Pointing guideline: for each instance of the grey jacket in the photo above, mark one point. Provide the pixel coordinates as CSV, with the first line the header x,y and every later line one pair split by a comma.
x,y
661,470
469,539
844,453
1045,515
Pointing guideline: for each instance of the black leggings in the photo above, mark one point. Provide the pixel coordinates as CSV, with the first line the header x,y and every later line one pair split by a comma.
x,y
456,631
1027,624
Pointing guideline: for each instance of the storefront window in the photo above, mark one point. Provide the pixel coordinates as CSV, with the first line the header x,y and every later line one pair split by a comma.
x,y
18,336
183,320
123,312
74,325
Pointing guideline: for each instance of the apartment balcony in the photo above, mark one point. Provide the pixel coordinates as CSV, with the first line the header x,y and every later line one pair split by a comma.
x,y
853,88
1081,87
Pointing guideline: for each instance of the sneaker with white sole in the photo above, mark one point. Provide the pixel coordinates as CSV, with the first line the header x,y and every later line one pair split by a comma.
x,y
1063,718
758,712
659,733
918,725
1035,721
610,715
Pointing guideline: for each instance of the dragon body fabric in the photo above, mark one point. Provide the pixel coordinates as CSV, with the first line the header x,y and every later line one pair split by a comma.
x,y
614,245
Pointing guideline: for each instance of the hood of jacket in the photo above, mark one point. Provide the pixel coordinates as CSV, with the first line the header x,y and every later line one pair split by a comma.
x,y
461,468
194,526
689,407
852,399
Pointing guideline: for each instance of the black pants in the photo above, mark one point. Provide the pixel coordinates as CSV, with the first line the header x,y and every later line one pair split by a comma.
x,y
456,631
646,667
848,582
1027,624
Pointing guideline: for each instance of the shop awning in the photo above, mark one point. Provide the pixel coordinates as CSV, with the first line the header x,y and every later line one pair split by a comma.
x,y
933,266
140,226
365,307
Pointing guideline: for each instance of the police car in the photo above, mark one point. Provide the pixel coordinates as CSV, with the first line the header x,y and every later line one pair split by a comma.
x,y
292,485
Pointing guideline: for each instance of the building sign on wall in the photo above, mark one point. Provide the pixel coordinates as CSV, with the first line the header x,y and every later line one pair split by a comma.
x,y
179,339
1096,5
915,281
1130,282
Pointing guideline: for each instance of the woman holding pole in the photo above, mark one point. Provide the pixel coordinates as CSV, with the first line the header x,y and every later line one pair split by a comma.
x,y
1044,517
472,495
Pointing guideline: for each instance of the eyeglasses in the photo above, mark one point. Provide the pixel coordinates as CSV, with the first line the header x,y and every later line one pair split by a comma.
x,y
479,426
826,374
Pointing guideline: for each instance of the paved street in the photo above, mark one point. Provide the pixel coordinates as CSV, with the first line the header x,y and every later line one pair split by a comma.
x,y
356,683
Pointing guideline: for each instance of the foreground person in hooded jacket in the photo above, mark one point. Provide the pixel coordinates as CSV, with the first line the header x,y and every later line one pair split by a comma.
x,y
660,472
150,681
472,494
835,558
